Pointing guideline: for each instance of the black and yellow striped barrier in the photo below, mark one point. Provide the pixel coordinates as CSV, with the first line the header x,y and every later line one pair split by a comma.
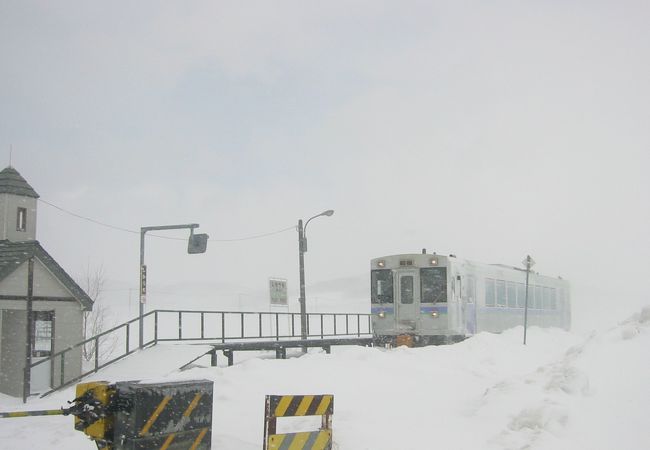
x,y
293,406
145,416
175,415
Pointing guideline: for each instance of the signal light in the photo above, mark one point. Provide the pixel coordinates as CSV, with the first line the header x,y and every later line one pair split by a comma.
x,y
197,243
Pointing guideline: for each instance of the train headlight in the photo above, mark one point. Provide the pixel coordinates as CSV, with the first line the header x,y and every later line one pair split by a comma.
x,y
381,263
433,261
434,314
381,314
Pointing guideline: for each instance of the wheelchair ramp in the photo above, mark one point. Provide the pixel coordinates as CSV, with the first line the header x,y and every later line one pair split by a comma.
x,y
154,362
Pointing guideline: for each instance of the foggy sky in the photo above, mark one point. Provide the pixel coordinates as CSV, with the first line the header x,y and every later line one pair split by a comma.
x,y
490,131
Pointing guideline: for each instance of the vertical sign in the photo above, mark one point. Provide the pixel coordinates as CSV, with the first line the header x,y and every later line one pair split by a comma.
x,y
143,283
278,291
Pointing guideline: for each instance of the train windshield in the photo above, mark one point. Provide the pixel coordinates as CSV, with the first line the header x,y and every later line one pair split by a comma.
x,y
433,284
382,286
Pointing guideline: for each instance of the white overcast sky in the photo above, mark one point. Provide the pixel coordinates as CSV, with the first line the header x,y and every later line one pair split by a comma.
x,y
486,129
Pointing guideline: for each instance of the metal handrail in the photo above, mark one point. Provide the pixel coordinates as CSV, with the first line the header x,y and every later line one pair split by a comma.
x,y
180,336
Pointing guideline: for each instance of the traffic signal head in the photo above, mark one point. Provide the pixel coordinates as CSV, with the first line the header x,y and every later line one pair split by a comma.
x,y
197,243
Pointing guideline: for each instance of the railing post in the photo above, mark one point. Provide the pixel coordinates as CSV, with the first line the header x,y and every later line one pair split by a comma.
x,y
155,327
293,327
277,327
334,317
242,324
180,325
259,316
202,325
52,369
128,325
96,353
347,329
62,369
358,325
223,327
321,325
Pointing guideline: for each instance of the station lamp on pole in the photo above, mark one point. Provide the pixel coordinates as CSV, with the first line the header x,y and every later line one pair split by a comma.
x,y
528,263
197,243
302,248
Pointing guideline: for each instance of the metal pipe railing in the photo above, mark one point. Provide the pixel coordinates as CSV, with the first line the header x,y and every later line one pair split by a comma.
x,y
204,330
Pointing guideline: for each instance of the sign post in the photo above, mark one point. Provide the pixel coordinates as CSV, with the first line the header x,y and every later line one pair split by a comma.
x,y
143,284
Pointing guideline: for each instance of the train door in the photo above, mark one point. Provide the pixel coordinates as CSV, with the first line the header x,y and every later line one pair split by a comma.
x,y
408,300
470,305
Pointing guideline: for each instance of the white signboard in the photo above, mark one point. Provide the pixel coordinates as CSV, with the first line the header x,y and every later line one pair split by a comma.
x,y
278,291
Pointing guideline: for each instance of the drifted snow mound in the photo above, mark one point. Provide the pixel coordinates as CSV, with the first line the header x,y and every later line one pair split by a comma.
x,y
595,396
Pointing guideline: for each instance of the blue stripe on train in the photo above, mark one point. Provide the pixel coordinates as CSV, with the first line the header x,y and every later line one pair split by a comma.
x,y
430,309
423,309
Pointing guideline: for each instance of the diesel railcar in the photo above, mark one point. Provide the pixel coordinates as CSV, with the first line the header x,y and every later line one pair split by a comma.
x,y
422,299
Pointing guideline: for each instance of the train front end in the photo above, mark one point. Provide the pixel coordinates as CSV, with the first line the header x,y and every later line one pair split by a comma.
x,y
409,295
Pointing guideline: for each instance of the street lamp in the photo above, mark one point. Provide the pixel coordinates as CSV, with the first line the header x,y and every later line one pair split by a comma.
x,y
197,243
302,248
528,262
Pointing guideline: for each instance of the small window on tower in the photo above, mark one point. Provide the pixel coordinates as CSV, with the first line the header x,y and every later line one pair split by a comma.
x,y
21,221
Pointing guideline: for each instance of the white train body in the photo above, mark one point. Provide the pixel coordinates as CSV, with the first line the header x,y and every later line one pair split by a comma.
x,y
431,298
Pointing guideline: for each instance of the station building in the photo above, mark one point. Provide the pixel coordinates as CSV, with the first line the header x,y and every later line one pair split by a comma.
x,y
30,279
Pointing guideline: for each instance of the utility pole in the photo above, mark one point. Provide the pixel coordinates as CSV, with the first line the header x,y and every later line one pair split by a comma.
x,y
302,248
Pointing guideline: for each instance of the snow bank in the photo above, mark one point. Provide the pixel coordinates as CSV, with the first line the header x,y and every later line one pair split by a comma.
x,y
561,390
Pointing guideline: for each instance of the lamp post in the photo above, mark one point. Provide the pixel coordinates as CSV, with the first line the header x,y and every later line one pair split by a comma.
x,y
302,248
196,244
528,262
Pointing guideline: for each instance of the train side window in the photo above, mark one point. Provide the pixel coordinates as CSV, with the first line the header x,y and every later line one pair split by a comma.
x,y
547,298
512,295
531,296
406,289
489,292
501,293
538,297
381,289
521,295
433,285
471,289
553,299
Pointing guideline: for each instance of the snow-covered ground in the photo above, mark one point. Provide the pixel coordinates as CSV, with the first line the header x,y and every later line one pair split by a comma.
x,y
561,391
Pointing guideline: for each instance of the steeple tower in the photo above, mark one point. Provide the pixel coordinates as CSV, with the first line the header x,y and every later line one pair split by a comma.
x,y
18,203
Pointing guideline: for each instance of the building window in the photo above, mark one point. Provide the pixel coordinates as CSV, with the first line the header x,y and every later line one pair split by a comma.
x,y
42,333
21,220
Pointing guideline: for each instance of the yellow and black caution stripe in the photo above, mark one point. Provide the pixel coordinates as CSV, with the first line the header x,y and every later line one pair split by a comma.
x,y
42,412
301,405
154,416
278,406
317,440
186,414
